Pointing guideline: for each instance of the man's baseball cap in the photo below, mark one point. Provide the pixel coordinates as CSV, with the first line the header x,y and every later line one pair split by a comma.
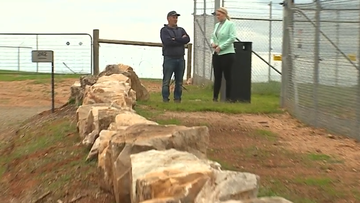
x,y
172,13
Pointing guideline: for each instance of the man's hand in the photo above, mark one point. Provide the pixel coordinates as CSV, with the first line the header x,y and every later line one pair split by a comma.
x,y
184,36
217,49
213,46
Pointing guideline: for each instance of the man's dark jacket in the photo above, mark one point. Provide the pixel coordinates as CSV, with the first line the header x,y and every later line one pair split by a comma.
x,y
173,42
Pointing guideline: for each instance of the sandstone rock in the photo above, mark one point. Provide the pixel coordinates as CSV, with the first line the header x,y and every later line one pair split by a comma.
x,y
101,143
162,200
128,118
168,174
82,114
117,77
229,185
94,150
114,127
105,166
77,93
99,118
262,200
142,93
213,164
87,80
143,137
110,90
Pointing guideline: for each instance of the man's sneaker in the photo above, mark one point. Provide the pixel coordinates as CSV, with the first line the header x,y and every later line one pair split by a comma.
x,y
177,101
166,100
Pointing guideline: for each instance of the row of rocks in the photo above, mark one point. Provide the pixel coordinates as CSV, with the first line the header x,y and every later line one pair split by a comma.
x,y
141,161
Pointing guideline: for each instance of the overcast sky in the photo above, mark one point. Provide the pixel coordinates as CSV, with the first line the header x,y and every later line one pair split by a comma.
x,y
119,19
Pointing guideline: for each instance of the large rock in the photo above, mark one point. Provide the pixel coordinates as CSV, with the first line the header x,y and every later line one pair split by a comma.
x,y
229,185
99,118
262,200
88,80
142,93
168,174
162,200
177,176
101,143
82,115
143,137
128,118
105,164
114,90
77,93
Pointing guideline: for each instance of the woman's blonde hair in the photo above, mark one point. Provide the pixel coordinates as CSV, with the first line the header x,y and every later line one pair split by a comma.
x,y
223,11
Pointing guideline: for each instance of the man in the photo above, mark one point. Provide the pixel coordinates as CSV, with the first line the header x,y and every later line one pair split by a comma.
x,y
173,39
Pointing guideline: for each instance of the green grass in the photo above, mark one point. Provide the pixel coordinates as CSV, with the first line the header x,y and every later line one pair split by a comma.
x,y
266,88
323,158
39,78
47,155
318,182
271,136
277,188
199,99
172,121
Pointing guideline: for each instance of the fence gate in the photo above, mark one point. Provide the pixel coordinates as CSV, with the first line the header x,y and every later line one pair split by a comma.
x,y
204,23
72,52
321,77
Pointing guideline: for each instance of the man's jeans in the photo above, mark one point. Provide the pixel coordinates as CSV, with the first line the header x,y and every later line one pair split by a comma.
x,y
170,66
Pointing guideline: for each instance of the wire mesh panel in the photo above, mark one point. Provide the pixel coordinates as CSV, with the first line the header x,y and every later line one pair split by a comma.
x,y
203,27
72,52
260,23
323,77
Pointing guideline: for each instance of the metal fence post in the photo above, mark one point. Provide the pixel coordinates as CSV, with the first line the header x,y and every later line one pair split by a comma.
x,y
270,36
96,35
337,44
357,132
189,61
18,58
37,48
204,41
316,61
195,39
285,52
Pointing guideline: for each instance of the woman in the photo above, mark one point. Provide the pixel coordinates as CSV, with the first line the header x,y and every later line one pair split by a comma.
x,y
222,41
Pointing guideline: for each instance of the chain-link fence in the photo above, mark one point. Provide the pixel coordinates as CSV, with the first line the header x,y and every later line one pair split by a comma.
x,y
264,31
321,81
203,27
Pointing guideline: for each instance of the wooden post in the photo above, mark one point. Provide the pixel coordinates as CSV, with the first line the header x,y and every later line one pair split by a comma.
x,y
189,61
96,51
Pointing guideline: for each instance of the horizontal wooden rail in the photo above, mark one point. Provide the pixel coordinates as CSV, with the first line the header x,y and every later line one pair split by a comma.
x,y
134,43
97,41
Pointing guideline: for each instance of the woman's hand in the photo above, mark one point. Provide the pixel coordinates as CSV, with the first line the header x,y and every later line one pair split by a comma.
x,y
217,49
214,46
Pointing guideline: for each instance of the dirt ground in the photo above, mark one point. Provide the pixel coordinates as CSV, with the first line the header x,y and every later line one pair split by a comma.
x,y
303,163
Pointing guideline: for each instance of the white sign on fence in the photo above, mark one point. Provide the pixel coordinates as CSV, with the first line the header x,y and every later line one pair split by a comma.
x,y
45,56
